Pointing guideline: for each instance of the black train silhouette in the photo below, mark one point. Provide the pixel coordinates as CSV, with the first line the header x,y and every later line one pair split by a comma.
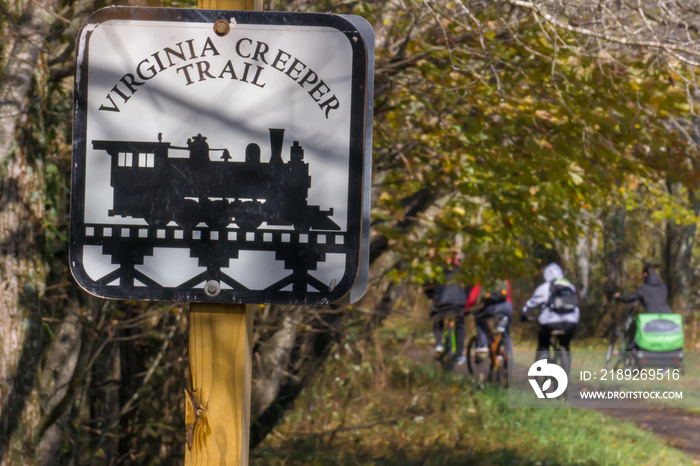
x,y
150,184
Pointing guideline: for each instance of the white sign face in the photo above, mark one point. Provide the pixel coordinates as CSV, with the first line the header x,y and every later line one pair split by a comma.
x,y
219,155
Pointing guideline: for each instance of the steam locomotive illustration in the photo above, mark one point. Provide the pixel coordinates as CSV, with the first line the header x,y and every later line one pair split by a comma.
x,y
153,181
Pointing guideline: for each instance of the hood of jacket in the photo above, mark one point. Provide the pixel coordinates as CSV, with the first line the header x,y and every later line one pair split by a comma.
x,y
552,272
652,278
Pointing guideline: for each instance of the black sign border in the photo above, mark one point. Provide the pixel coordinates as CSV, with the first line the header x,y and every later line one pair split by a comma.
x,y
356,154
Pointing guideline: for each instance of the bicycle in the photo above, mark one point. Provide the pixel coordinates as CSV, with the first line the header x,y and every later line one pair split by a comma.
x,y
555,353
448,356
618,344
497,357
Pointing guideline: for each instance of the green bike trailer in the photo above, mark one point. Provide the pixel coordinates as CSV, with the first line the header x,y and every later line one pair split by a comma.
x,y
659,340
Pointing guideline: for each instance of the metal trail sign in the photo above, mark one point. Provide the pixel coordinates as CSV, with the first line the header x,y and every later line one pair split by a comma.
x,y
221,156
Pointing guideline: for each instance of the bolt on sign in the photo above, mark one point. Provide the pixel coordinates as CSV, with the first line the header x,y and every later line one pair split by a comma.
x,y
222,156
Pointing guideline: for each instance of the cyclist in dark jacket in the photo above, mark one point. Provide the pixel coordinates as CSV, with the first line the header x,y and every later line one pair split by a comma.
x,y
448,299
500,309
653,293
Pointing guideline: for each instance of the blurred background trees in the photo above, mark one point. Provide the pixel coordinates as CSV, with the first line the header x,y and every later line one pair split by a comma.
x,y
519,132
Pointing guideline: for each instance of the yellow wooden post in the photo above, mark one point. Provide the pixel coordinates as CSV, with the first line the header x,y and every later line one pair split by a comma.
x,y
230,4
217,404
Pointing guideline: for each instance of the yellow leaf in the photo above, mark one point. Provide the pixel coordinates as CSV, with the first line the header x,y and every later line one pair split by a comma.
x,y
544,114
576,178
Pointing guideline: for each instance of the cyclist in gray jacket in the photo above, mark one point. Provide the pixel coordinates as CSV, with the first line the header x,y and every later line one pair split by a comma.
x,y
548,319
653,294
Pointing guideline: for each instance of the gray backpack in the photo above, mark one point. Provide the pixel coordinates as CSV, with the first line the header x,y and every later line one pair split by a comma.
x,y
563,297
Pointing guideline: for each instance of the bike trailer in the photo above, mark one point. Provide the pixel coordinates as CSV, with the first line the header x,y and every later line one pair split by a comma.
x,y
659,339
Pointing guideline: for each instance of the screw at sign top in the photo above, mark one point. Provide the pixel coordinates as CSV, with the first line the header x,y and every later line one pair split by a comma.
x,y
221,27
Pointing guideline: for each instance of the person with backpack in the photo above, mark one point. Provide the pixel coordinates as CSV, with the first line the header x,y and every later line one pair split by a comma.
x,y
652,293
558,300
496,303
449,299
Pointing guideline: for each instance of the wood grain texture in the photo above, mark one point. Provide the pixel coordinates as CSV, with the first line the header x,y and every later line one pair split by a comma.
x,y
217,415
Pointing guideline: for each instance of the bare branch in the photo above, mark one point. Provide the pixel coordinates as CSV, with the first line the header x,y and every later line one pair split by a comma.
x,y
665,45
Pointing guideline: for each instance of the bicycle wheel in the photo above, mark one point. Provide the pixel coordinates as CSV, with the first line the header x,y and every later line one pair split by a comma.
x,y
565,360
476,366
449,357
615,349
565,363
562,358
498,369
450,337
624,362
627,360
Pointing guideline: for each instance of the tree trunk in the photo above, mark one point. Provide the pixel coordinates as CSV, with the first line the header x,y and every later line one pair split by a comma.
x,y
678,249
57,383
583,264
22,269
614,247
271,360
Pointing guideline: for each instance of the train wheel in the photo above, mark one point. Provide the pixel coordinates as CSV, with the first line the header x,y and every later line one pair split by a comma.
x,y
249,215
216,214
189,216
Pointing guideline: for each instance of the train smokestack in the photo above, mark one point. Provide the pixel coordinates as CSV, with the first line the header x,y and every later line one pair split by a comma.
x,y
276,140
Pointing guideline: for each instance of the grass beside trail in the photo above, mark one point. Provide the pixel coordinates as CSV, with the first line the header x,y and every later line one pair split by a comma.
x,y
384,404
